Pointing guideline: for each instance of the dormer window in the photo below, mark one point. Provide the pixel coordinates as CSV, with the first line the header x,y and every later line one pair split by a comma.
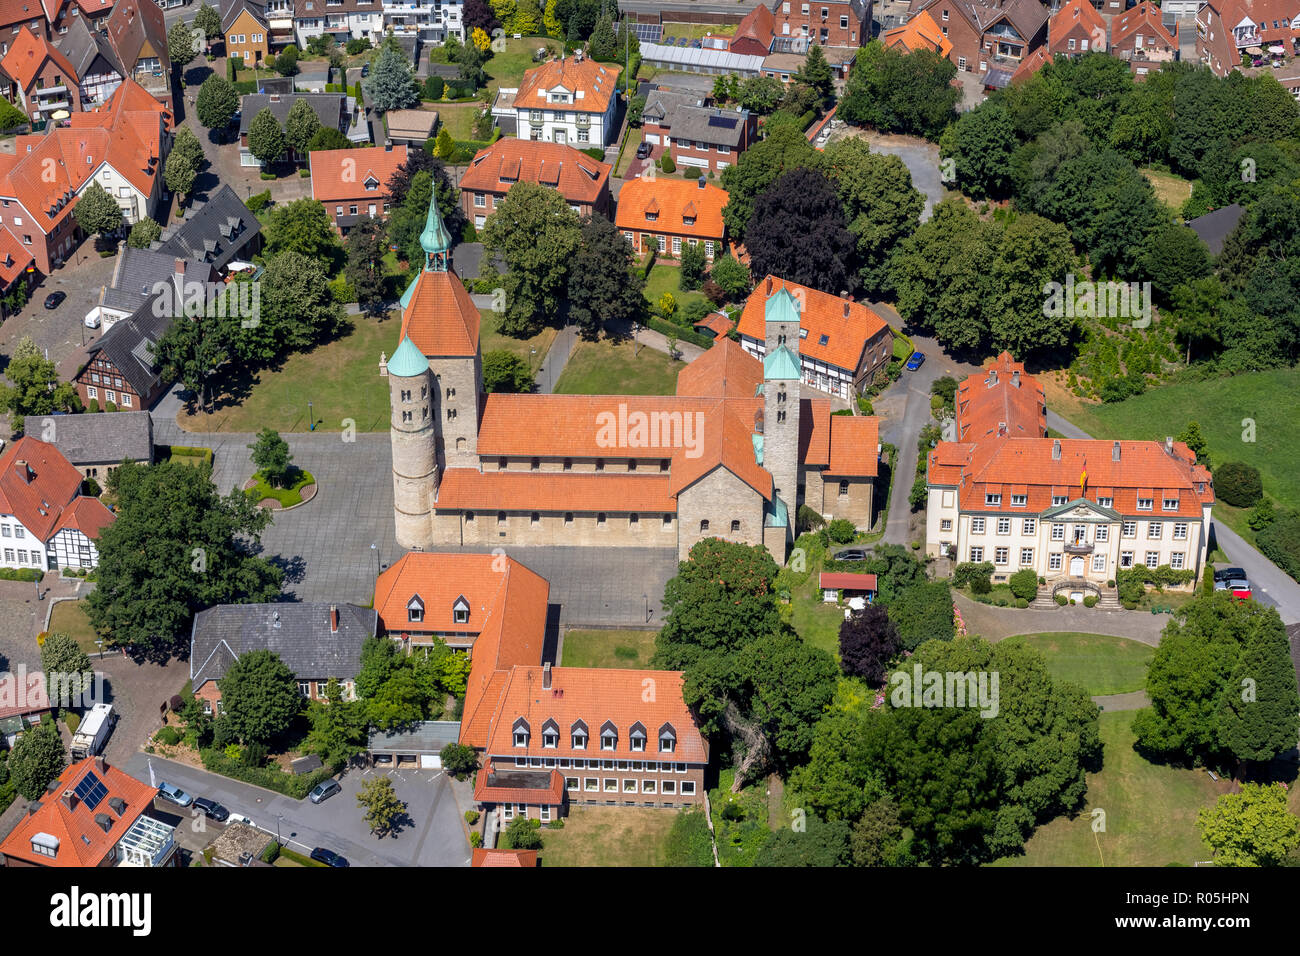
x,y
521,732
637,737
578,735
667,739
460,610
550,735
415,610
993,500
371,184
608,736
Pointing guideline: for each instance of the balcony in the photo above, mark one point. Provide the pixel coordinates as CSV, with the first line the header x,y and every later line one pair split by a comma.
x,y
1078,547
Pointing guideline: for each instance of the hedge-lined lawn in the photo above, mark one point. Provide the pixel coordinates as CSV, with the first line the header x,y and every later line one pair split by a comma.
x,y
1098,663
610,368
1171,190
69,617
287,496
458,118
532,350
622,649
1219,406
341,378
818,623
609,836
664,278
1150,812
507,67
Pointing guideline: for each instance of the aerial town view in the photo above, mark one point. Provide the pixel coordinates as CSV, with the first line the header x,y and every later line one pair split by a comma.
x,y
631,434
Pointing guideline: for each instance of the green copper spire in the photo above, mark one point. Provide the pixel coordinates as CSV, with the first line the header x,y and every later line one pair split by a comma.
x,y
435,240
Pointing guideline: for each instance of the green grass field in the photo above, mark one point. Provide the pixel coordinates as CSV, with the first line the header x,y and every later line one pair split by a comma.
x,y
629,650
1098,663
1150,812
611,368
458,118
1171,190
532,351
664,278
817,622
69,617
609,836
1225,409
696,31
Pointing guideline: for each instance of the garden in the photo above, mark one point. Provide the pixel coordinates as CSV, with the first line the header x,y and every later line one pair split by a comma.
x,y
1098,663
621,648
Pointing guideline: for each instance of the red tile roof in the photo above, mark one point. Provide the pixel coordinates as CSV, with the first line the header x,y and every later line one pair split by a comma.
x,y
38,492
441,319
855,444
27,697
990,401
1146,16
467,489
81,839
511,858
14,257
1077,20
486,792
578,178
27,55
717,323
847,326
672,202
846,580
591,83
815,431
919,33
724,371
754,34
342,173
1031,64
87,515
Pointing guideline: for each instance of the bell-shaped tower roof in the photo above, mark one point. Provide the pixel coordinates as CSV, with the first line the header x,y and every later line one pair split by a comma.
x,y
435,240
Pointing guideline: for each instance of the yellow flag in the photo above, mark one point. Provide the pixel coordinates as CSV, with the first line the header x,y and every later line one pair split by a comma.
x,y
1083,480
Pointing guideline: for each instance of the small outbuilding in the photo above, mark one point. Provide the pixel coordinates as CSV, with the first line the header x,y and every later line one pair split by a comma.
x,y
858,589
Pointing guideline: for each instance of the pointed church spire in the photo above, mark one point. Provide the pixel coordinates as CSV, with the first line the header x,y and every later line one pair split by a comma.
x,y
435,240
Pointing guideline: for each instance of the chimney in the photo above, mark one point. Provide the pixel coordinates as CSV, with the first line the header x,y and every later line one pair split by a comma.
x,y
33,807
334,619
1114,452
100,766
1002,429
846,307
769,286
69,800
993,377
1056,450
180,267
546,676
1015,378
1169,444
24,471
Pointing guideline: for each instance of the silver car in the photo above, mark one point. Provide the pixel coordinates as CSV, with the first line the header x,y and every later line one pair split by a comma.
x,y
324,790
174,794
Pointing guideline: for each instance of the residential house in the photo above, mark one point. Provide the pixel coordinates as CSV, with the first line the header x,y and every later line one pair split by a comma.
x,y
45,522
331,110
44,81
659,104
826,22
15,14
93,815
842,343
1031,64
1226,29
918,33
282,23
138,35
754,33
581,180
138,276
352,184
317,642
342,19
247,31
695,135
571,100
1074,511
1076,28
217,232
1140,36
94,64
430,20
120,145
17,266
664,214
60,15
988,34
97,444
410,127
21,707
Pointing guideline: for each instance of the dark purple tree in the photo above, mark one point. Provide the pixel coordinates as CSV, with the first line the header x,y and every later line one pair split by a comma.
x,y
798,232
868,641
478,13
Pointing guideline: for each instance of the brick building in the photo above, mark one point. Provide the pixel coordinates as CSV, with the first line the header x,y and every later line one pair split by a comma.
x,y
826,22
352,184
988,34
45,81
581,180
45,521
1140,36
1076,28
666,214
705,137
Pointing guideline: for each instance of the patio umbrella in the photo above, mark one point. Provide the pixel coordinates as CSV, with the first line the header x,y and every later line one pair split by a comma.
x,y
1276,48
1255,51
60,115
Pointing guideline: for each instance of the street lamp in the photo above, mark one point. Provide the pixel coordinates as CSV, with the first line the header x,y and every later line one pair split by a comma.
x,y
278,818
636,327
311,417
375,548
646,599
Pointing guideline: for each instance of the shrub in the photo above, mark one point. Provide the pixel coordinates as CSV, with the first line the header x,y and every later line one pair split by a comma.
x,y
1090,600
270,853
358,45
1024,584
93,406
1280,543
666,163
521,834
1062,600
168,735
459,760
471,817
692,172
272,778
1022,603
1262,515
981,584
259,201
476,839
433,88
841,530
1238,484
808,519
110,406
963,573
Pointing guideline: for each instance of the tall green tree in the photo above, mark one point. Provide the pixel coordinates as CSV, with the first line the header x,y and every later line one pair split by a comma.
x,y
181,48
193,351
61,654
37,758
1033,252
980,146
300,125
383,809
96,211
183,162
816,73
265,138
297,309
1253,827
301,226
36,389
207,19
217,102
604,287
797,231
259,696
899,93
366,245
271,456
391,84
1261,710
783,150
143,234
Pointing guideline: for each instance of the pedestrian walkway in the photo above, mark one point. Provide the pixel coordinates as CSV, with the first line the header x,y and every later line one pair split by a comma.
x,y
1134,701
996,623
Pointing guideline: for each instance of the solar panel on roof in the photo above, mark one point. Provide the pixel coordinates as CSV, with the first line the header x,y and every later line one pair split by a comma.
x,y
723,122
91,791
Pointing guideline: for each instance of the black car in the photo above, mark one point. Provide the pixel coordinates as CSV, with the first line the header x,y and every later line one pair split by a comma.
x,y
643,151
365,69
328,857
211,809
1229,574
851,554
55,299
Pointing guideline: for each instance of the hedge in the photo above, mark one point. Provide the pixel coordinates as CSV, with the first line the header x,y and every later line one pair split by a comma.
x,y
20,574
299,858
1132,582
186,451
291,785
967,572
1024,584
683,334
1238,484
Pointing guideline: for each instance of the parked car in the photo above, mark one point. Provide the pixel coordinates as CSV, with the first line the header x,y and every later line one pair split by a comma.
x,y
1227,574
55,299
1240,587
324,790
915,362
643,151
328,857
91,320
851,554
174,794
211,809
365,70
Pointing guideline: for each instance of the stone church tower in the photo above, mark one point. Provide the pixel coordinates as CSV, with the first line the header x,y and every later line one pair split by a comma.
x,y
781,402
412,433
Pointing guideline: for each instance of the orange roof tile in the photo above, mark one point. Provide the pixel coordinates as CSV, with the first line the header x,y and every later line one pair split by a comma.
x,y
579,426
441,318
919,33
87,515
855,443
845,326
14,257
511,858
578,178
467,489
82,841
342,173
39,491
1031,64
667,200
1146,16
848,580
592,84
717,323
726,442
488,791
1077,20
724,371
1001,398
815,431
28,53
754,33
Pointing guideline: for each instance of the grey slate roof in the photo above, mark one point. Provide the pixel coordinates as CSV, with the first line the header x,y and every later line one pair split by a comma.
x,y
230,10
428,736
298,633
331,108
1214,227
82,46
104,439
214,232
129,342
660,103
708,125
139,270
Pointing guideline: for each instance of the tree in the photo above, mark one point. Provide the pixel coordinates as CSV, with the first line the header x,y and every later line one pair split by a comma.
x,y
783,150
604,287
380,659
537,235
391,85
286,64
382,807
265,138
182,166
301,125
176,548
444,147
1261,713
326,138
603,45
459,760
1024,584
469,58
1173,255
786,685
61,654
1253,827
192,350
301,226
797,231
272,458
97,212
207,19
732,276
506,372
760,94
1191,437
478,16
899,93
1238,484
980,145
1033,253
923,612
217,102
36,759
868,642
816,73
366,245
143,234
297,309
36,389
259,696
406,222
521,835
692,265
181,48
339,728
880,204
820,844
878,838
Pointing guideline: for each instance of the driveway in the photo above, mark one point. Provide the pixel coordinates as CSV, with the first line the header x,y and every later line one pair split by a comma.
x,y
434,836
919,156
995,623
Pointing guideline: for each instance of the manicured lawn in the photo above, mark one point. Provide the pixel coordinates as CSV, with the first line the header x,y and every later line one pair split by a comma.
x,y
193,461
1171,190
665,278
609,836
69,617
1150,812
818,623
532,351
1098,663
696,31
288,496
1220,406
341,378
458,118
624,649
507,67
611,368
